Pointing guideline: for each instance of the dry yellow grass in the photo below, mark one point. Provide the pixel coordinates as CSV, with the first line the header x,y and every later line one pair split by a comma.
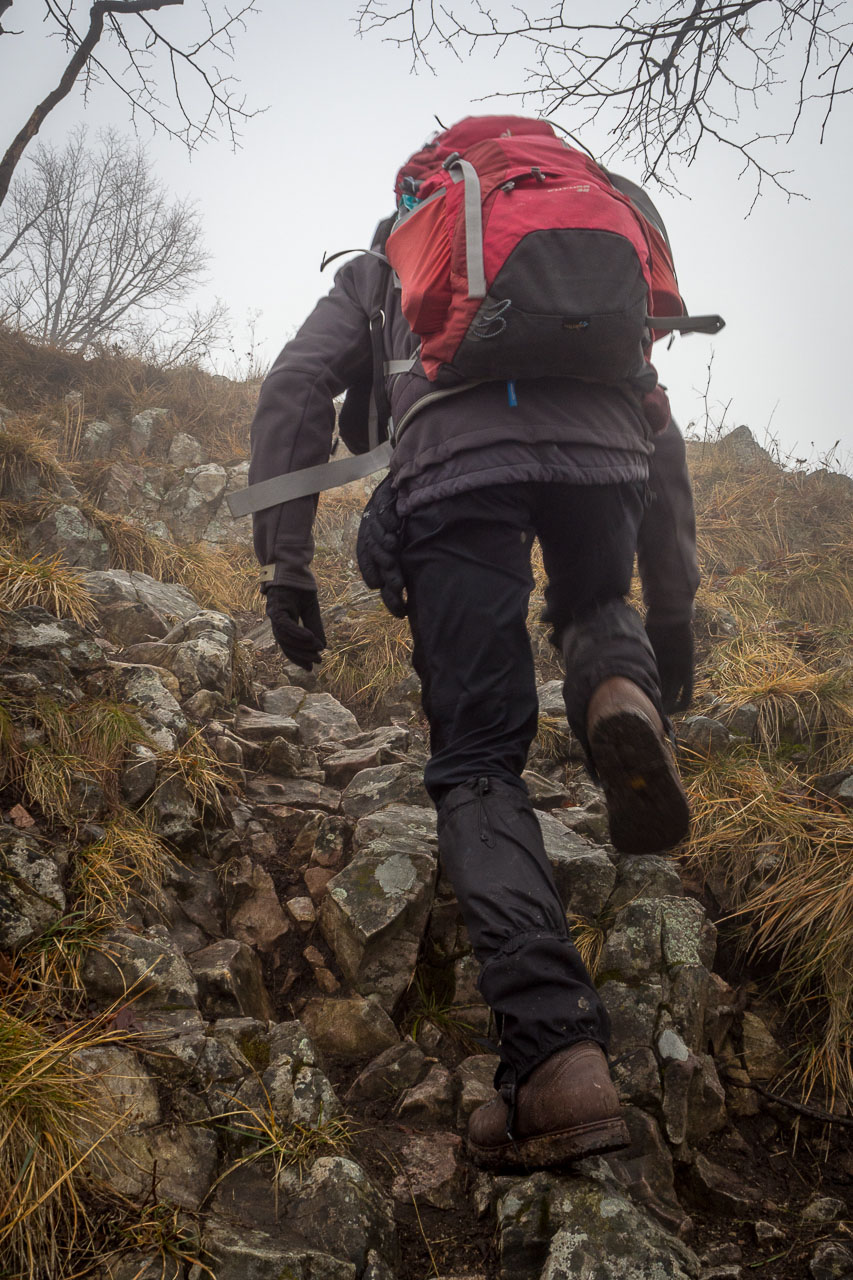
x,y
798,702
201,771
786,860
47,582
37,378
128,862
27,459
50,1124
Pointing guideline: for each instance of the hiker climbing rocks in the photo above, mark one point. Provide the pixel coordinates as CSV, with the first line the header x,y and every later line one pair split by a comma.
x,y
500,326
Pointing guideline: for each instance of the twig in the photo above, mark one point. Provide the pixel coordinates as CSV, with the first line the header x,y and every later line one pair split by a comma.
x,y
814,1113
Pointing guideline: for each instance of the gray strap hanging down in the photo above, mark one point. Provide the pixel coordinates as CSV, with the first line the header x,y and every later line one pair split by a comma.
x,y
474,262
298,484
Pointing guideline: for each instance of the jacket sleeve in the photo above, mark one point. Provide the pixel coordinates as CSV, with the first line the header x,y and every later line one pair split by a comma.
x,y
295,417
666,545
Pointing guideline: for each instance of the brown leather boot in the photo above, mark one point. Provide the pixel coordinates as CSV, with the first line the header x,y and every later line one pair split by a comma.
x,y
565,1110
646,804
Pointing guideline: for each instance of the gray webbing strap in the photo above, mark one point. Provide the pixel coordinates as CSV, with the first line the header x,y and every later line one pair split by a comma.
x,y
298,484
399,366
686,324
474,262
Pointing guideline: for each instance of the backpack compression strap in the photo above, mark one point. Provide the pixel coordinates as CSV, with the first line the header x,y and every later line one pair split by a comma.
x,y
298,484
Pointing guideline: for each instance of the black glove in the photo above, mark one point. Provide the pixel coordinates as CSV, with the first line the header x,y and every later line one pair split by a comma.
x,y
378,549
673,646
286,608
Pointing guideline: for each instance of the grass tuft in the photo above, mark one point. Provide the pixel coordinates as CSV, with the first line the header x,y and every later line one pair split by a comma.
x,y
201,771
46,1107
782,859
27,460
45,581
798,703
128,862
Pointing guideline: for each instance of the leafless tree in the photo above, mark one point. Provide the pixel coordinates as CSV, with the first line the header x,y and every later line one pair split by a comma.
x,y
93,250
179,87
664,77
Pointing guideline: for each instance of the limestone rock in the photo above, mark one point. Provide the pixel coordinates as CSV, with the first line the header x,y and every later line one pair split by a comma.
x,y
238,1253
633,1013
142,429
172,812
577,1229
294,793
719,1189
255,915
645,876
349,1027
134,607
476,1086
31,893
97,440
32,634
263,726
185,451
431,1101
763,1056
67,532
389,784
645,1172
337,1207
636,1078
230,981
431,1171
397,822
374,913
365,751
147,688
147,966
831,1261
323,719
138,775
704,736
283,701
583,873
824,1209
396,1068
188,506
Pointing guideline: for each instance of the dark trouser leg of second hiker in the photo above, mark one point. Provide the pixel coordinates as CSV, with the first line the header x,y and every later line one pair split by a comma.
x,y
611,689
466,563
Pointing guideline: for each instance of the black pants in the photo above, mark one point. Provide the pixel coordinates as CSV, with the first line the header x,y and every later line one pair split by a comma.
x,y
466,562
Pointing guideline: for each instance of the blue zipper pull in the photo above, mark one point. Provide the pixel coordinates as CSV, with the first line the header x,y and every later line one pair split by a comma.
x,y
511,396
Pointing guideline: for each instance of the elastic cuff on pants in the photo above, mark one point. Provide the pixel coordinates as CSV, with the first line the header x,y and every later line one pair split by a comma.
x,y
543,996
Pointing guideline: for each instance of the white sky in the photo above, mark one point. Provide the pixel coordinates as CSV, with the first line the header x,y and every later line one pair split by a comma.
x,y
316,171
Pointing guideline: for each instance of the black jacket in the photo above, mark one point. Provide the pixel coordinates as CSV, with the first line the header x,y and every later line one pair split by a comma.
x,y
560,429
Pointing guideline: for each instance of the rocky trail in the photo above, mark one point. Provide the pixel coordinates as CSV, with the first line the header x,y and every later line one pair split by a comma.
x,y
219,891
306,1039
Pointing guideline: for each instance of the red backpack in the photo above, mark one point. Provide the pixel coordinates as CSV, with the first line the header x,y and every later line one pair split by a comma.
x,y
519,258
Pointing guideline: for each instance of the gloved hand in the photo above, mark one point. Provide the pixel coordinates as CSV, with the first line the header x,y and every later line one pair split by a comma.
x,y
673,647
378,548
286,608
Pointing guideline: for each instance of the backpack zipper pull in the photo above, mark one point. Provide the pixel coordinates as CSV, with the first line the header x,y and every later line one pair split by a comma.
x,y
511,395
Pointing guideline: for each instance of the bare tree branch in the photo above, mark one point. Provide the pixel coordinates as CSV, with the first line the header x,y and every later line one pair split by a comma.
x,y
137,80
665,78
95,251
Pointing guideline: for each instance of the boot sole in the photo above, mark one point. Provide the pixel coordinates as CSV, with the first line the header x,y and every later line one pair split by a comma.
x,y
552,1149
646,804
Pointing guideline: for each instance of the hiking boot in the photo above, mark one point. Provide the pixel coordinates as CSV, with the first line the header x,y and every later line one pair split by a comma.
x,y
566,1109
646,804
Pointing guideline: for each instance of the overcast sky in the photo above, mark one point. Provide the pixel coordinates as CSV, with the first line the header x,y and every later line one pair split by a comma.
x,y
316,169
